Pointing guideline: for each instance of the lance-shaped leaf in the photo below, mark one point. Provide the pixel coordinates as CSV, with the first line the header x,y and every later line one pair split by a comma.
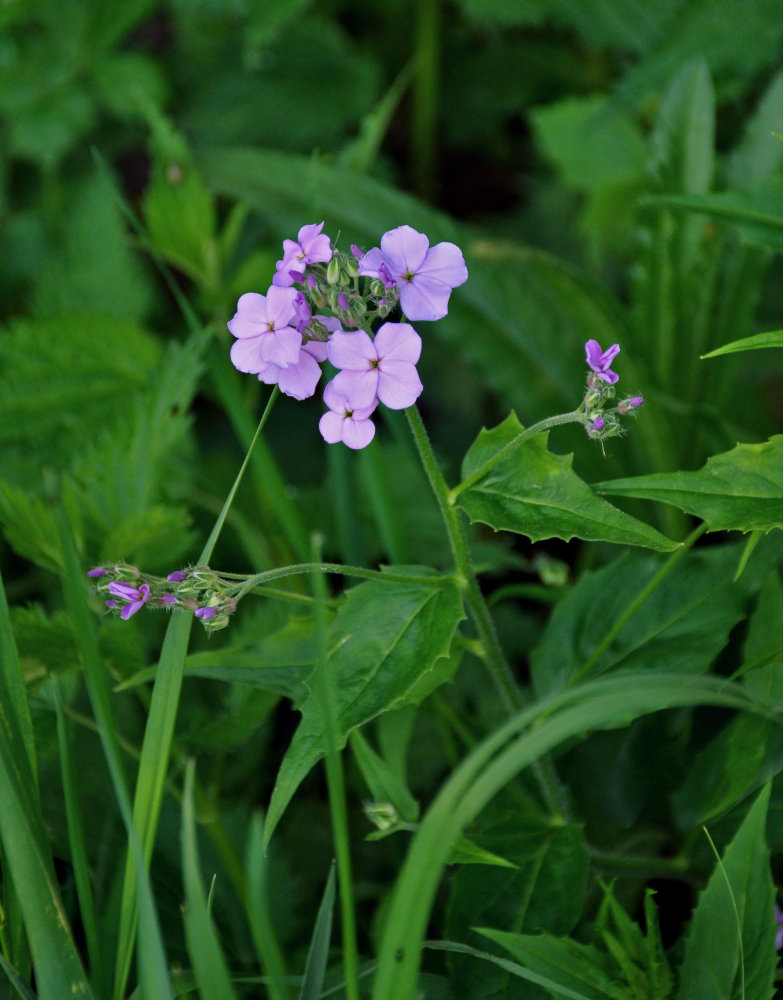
x,y
384,640
535,493
740,490
730,949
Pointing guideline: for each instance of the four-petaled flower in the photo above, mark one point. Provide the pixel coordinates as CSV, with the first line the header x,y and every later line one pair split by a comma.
x,y
311,247
263,328
345,422
600,361
425,275
384,368
135,597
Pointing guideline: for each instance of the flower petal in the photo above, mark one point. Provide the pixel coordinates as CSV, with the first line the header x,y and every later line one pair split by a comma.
x,y
358,433
399,385
370,262
281,346
445,263
331,427
353,351
424,298
404,249
398,341
357,389
246,354
280,307
299,380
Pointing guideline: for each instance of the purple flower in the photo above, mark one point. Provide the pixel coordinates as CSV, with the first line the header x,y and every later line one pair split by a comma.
x,y
205,613
312,248
425,275
135,597
177,576
97,571
298,380
262,326
779,919
599,424
344,422
600,361
384,368
303,311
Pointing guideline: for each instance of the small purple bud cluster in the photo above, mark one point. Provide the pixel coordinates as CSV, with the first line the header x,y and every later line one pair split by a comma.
x,y
322,306
599,418
198,589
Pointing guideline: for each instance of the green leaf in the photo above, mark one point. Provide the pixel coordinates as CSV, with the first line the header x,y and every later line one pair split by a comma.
x,y
772,339
315,969
759,154
544,892
681,626
730,948
582,968
209,963
514,968
30,528
26,850
756,213
535,493
740,490
385,638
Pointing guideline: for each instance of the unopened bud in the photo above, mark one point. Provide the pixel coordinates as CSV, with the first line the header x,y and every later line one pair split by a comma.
x,y
333,271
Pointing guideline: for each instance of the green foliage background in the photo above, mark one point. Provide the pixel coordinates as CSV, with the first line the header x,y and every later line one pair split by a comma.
x,y
611,171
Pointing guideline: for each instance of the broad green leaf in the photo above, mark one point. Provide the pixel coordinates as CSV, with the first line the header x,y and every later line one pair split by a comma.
x,y
544,892
683,140
740,490
535,493
730,948
759,340
385,638
681,626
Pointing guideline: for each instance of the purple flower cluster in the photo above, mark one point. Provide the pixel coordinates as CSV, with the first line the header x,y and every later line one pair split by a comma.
x,y
599,421
322,306
199,590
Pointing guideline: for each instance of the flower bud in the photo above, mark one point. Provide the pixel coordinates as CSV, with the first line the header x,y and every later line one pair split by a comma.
x,y
382,814
333,271
626,405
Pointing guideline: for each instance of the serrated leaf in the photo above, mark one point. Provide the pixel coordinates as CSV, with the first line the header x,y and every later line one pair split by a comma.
x,y
740,490
29,527
721,958
63,377
384,638
536,493
154,538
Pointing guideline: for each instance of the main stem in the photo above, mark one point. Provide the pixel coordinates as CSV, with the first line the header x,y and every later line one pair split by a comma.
x,y
492,652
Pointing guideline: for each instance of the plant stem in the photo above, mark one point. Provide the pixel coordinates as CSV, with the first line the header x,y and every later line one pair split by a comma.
x,y
492,652
543,425
337,800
